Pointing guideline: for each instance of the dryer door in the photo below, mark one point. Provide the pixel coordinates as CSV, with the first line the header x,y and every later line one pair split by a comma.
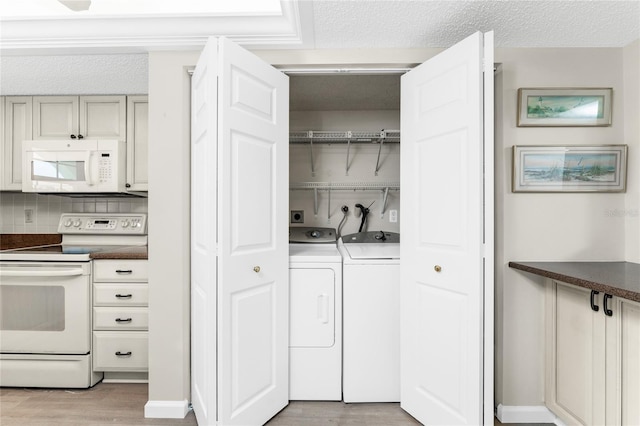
x,y
312,308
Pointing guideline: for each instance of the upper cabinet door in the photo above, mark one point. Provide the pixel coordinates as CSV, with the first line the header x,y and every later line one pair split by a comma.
x,y
240,260
442,247
17,127
80,117
137,143
55,117
103,117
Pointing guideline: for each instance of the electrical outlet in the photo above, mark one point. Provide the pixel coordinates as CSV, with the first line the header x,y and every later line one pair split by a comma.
x,y
393,216
297,216
28,215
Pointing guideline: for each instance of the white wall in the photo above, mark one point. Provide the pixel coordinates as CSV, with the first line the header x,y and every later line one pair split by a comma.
x,y
631,73
553,227
169,227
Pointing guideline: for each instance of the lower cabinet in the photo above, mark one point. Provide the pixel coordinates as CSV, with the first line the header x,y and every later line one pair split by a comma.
x,y
592,356
120,320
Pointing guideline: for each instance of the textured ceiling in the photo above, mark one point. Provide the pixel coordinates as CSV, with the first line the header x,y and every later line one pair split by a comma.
x,y
326,24
427,23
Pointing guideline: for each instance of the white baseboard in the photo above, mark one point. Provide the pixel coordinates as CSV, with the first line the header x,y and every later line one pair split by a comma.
x,y
166,409
526,414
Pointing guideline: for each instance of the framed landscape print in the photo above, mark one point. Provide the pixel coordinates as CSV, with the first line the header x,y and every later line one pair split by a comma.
x,y
569,168
564,107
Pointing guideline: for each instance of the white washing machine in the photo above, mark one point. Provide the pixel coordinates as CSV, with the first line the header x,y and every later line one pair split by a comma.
x,y
371,316
315,301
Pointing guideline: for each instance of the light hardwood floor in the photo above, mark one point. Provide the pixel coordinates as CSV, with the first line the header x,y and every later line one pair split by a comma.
x,y
123,404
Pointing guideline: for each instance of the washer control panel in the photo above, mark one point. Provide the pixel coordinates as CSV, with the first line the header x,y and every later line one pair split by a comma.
x,y
372,237
109,223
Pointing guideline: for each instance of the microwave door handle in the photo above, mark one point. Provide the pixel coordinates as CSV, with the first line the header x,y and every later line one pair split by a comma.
x,y
87,169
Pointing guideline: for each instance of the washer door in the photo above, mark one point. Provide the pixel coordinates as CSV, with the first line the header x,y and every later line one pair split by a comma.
x,y
312,305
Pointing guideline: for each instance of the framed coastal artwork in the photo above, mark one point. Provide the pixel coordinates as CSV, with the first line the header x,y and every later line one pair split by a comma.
x,y
564,107
598,168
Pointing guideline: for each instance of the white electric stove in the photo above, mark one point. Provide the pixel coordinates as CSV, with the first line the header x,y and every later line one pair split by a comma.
x,y
45,301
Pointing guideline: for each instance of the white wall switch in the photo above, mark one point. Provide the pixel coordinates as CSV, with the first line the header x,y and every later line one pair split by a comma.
x,y
393,216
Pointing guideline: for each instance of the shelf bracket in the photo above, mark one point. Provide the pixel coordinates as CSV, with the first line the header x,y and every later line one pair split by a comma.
x,y
346,169
315,201
329,206
313,171
385,194
382,136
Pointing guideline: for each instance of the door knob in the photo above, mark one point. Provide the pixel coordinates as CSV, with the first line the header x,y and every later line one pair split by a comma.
x,y
437,268
256,269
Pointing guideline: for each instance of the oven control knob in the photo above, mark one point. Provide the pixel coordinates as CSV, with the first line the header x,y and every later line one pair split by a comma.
x,y
68,223
76,223
125,223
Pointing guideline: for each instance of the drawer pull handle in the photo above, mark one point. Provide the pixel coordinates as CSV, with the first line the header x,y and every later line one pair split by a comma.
x,y
123,353
121,320
124,271
124,296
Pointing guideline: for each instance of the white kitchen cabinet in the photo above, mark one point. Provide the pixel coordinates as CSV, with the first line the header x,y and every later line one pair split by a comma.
x,y
120,319
626,405
2,136
593,359
18,126
81,117
137,143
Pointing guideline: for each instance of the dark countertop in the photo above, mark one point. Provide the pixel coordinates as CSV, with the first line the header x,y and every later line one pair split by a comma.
x,y
14,241
133,252
620,279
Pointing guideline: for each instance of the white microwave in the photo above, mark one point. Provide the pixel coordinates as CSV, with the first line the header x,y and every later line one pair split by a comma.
x,y
84,166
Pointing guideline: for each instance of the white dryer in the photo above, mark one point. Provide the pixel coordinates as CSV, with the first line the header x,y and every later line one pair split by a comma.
x,y
371,316
315,333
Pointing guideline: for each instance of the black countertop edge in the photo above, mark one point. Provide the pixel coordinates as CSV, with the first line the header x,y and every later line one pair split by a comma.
x,y
621,279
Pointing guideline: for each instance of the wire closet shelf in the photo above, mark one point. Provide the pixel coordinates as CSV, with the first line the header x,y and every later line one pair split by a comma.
x,y
347,137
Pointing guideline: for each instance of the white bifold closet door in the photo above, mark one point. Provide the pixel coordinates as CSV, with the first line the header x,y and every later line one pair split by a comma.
x,y
447,228
239,247
239,243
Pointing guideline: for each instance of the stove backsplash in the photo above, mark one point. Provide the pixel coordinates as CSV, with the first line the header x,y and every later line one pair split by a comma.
x,y
39,214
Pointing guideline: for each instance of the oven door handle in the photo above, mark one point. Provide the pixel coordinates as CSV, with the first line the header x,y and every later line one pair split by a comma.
x,y
66,272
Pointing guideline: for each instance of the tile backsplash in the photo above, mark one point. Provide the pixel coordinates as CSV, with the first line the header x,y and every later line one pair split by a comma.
x,y
45,210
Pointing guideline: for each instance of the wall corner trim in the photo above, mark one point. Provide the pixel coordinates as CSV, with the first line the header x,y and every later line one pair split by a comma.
x,y
166,409
526,414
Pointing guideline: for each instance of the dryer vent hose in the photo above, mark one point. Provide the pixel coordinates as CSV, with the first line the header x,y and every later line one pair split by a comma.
x,y
345,211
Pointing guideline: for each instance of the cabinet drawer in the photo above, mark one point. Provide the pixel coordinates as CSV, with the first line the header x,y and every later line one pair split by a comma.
x,y
120,270
120,351
120,294
125,318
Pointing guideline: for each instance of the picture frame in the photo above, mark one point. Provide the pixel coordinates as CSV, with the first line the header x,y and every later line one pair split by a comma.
x,y
578,168
570,107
